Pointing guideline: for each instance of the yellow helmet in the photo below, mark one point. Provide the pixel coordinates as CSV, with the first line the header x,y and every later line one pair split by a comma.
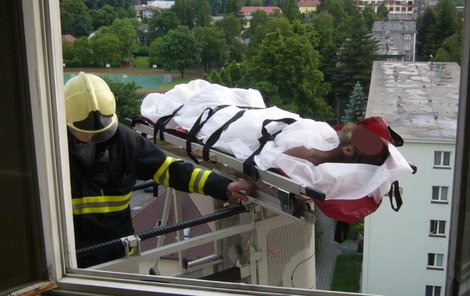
x,y
90,107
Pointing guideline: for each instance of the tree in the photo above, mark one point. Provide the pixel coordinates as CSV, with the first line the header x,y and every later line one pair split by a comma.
x,y
451,49
83,52
106,48
214,49
426,34
382,12
356,107
285,70
127,100
216,7
292,10
75,18
125,31
355,59
178,50
162,22
446,21
233,7
231,27
369,16
103,16
203,13
184,10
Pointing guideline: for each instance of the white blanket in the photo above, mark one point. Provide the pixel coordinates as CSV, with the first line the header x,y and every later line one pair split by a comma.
x,y
336,180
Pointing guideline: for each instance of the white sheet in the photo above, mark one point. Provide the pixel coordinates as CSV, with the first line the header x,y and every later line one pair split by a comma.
x,y
336,180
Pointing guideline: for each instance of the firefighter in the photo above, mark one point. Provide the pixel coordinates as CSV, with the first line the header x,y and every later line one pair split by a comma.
x,y
106,159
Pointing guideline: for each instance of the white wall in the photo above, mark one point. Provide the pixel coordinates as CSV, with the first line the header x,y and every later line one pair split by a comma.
x,y
396,244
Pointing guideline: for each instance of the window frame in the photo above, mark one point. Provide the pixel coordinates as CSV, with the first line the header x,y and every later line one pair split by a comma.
x,y
435,258
439,199
430,290
439,159
437,228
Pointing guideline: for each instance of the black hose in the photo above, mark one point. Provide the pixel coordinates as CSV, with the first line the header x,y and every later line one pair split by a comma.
x,y
224,213
144,185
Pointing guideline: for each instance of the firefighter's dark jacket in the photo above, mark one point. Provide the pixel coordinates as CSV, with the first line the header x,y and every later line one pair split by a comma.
x,y
101,192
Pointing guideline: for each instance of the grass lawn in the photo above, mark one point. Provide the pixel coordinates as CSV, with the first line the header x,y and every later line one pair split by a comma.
x,y
142,62
346,275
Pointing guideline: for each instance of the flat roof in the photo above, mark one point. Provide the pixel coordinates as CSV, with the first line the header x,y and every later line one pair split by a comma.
x,y
418,100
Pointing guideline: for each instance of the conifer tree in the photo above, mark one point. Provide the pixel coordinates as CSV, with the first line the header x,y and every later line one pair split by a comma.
x,y
356,105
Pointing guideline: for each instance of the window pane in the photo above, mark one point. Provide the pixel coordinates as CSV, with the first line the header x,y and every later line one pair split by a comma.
x,y
439,260
430,259
444,191
437,158
446,158
435,192
437,291
442,227
429,290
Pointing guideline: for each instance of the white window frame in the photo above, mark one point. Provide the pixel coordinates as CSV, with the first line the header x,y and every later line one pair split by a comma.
x,y
407,36
406,47
437,228
433,290
440,159
435,261
440,194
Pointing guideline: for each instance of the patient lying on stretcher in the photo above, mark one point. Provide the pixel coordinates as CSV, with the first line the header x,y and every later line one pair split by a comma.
x,y
343,164
357,145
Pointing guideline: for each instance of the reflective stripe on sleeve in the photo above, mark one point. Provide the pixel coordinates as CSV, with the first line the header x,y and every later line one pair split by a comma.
x,y
198,179
162,176
100,204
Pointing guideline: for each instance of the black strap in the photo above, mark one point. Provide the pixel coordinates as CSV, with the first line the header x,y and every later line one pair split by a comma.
x,y
397,140
197,127
216,135
341,231
394,194
249,163
160,125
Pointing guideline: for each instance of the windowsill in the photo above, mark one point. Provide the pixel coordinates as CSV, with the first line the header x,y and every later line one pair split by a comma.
x,y
441,167
435,268
442,202
437,235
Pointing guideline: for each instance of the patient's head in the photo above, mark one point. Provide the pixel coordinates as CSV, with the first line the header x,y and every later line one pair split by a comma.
x,y
360,145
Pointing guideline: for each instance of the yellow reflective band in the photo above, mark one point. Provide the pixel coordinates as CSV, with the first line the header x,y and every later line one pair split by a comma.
x,y
194,175
100,204
203,180
162,170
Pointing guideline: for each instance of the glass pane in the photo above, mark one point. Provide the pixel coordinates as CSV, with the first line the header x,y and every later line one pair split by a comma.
x,y
442,227
430,259
437,158
444,191
439,260
446,158
435,192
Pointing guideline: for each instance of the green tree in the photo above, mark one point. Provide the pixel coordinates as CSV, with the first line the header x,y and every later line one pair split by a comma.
x,y
426,34
127,34
258,18
216,7
106,48
355,59
178,50
451,49
83,52
232,29
75,18
233,7
203,13
382,12
292,10
446,20
214,49
127,100
103,16
356,107
184,10
285,70
162,22
369,16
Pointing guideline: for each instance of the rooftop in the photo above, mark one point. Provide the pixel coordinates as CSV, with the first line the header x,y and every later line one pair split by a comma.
x,y
418,100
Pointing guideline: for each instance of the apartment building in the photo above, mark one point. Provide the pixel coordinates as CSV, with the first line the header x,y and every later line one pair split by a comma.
x,y
393,6
405,252
397,40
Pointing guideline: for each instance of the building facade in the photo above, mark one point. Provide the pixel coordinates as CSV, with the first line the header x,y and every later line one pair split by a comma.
x,y
397,40
393,6
405,252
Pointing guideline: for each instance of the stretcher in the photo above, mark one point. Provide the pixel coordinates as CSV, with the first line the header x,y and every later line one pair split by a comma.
x,y
196,121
